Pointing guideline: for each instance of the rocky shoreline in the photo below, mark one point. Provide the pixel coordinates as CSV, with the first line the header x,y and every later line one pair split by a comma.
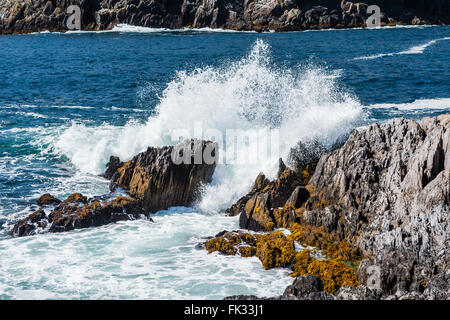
x,y
152,182
367,220
26,16
377,208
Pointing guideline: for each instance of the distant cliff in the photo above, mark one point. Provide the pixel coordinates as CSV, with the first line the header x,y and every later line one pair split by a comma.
x,y
23,16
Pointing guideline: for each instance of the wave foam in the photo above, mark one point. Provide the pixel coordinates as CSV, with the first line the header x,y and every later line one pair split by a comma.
x,y
413,50
302,103
133,260
421,104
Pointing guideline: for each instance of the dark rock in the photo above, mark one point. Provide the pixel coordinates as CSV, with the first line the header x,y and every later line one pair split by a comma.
x,y
48,8
298,197
80,214
112,166
262,15
257,214
303,286
259,209
260,183
281,167
155,179
47,199
77,212
30,224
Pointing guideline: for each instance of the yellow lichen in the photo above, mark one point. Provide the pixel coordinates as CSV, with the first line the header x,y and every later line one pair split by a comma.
x,y
333,273
270,226
220,244
328,243
274,250
247,251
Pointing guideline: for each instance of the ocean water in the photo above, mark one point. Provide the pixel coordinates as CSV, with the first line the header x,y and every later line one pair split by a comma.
x,y
69,101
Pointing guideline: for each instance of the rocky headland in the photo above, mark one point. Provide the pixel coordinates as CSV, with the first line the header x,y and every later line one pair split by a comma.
x,y
25,16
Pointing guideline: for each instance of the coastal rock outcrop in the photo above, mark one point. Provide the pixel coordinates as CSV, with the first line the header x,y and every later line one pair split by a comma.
x,y
22,16
160,183
266,205
77,212
387,190
155,179
381,202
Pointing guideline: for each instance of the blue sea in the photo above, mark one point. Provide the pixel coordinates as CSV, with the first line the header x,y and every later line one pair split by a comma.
x,y
70,100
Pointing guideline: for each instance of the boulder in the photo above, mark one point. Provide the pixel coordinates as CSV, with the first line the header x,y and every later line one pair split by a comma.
x,y
77,212
169,176
303,286
112,166
30,224
47,199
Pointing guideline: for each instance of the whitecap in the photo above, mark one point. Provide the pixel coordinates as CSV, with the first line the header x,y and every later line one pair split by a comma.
x,y
419,49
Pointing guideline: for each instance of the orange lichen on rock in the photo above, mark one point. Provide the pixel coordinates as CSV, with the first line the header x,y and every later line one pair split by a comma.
x,y
220,244
274,250
328,243
247,251
270,226
333,272
76,197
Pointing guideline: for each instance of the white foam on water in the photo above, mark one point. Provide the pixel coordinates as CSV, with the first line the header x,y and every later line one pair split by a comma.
x,y
133,260
136,29
413,50
127,28
251,93
421,104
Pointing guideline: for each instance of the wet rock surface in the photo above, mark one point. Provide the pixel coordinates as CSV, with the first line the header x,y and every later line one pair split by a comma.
x,y
21,16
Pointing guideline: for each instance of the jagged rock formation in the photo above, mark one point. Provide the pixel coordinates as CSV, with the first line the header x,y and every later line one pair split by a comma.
x,y
156,179
388,191
385,192
21,16
268,203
